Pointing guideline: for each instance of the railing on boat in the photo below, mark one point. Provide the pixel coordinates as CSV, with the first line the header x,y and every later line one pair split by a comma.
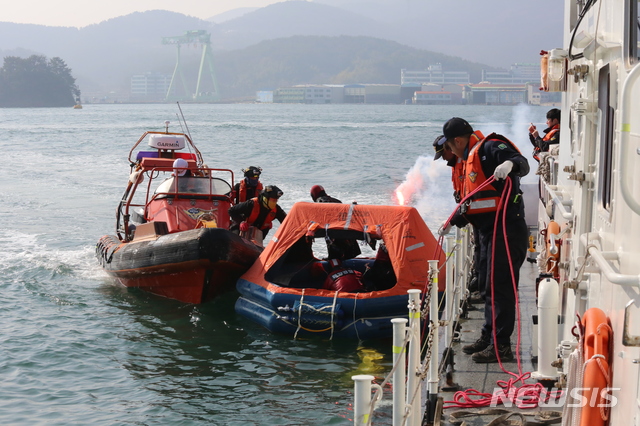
x,y
408,388
215,188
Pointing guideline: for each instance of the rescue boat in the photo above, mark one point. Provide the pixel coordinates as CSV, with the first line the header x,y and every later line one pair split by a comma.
x,y
172,224
285,289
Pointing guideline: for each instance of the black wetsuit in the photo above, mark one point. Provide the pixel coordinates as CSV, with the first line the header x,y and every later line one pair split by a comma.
x,y
241,212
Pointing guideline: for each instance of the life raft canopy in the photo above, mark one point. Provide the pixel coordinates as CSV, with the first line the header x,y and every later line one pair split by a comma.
x,y
173,142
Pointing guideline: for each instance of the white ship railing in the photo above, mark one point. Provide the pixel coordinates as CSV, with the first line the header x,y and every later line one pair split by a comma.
x,y
605,266
409,373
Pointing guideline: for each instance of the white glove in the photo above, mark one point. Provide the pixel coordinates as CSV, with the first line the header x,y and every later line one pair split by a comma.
x,y
503,170
444,230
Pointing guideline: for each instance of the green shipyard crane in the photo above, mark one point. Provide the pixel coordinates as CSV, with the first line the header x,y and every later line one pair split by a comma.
x,y
203,95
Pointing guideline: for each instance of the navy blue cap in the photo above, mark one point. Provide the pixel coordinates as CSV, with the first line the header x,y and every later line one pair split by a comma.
x,y
455,127
438,146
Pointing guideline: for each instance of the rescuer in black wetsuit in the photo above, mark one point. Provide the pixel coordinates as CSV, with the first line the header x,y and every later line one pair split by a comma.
x,y
336,248
319,195
249,187
484,157
258,212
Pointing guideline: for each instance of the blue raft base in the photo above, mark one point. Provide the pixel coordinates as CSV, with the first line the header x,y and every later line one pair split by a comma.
x,y
350,318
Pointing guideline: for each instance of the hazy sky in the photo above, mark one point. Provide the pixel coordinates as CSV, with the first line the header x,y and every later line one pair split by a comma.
x,y
80,13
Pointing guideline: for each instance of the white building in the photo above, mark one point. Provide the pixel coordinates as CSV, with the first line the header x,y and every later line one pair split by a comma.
x,y
150,87
517,74
264,96
434,74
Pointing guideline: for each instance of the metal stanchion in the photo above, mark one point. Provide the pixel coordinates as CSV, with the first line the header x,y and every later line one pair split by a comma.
x,y
449,306
400,373
361,399
433,378
413,381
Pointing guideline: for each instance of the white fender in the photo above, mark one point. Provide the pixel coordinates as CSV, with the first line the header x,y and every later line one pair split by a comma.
x,y
548,300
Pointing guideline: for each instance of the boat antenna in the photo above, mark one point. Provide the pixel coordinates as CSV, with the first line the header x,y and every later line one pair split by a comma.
x,y
180,122
198,155
184,121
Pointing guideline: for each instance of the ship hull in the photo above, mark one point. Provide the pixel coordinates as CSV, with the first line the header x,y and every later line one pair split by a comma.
x,y
192,266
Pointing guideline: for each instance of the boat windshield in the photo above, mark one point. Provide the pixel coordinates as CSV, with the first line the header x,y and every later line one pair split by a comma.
x,y
194,185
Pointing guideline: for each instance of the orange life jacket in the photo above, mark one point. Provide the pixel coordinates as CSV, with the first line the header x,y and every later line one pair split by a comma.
x,y
536,150
242,191
487,200
457,178
255,212
555,129
342,279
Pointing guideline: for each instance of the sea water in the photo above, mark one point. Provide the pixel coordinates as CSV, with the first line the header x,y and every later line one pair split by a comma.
x,y
78,348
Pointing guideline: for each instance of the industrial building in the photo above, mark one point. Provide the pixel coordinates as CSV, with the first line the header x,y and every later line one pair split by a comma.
x,y
495,94
150,87
434,74
434,86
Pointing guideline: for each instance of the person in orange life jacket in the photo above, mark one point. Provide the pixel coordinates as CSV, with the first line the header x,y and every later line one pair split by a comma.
x,y
342,279
456,164
319,195
476,284
336,248
249,187
551,137
493,155
258,212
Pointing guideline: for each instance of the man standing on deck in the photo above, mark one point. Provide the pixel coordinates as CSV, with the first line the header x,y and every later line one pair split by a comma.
x,y
484,157
551,137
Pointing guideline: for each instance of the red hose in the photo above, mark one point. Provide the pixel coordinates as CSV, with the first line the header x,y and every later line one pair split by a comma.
x,y
527,395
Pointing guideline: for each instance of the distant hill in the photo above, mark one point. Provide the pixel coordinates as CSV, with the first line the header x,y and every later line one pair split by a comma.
x,y
294,18
231,14
334,60
497,32
412,34
104,56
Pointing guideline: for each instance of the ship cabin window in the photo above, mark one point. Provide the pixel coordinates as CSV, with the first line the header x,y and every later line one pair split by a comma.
x,y
632,32
194,185
606,117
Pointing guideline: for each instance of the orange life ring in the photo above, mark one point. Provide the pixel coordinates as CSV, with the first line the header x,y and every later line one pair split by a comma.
x,y
552,259
597,356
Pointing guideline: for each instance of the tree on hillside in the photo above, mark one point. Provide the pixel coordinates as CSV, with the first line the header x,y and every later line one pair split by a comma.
x,y
37,82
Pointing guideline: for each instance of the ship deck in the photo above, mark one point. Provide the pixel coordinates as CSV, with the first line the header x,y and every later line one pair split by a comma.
x,y
484,378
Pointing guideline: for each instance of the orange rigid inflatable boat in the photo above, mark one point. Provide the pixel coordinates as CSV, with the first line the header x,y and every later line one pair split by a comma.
x,y
285,289
172,236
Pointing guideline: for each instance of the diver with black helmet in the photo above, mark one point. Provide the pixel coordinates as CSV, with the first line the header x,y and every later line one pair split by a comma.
x,y
249,187
258,212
